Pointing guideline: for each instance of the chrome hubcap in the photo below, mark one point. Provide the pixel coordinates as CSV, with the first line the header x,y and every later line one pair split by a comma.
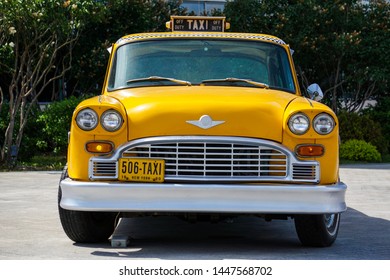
x,y
331,223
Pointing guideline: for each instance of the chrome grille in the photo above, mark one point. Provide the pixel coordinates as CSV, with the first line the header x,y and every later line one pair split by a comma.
x,y
218,160
212,159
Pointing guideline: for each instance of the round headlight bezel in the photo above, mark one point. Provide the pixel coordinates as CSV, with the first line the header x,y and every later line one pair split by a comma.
x,y
296,120
330,120
105,121
81,120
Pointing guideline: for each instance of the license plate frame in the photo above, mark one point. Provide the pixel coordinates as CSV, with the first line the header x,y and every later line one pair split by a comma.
x,y
141,170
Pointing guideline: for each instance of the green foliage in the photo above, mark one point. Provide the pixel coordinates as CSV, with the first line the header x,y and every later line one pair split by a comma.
x,y
362,127
33,131
359,150
56,120
31,24
4,118
44,162
244,16
37,39
380,113
46,132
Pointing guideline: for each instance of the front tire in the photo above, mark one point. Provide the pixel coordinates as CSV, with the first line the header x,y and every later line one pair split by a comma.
x,y
83,226
317,230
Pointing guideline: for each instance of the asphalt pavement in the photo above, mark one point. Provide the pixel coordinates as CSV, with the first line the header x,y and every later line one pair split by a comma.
x,y
30,228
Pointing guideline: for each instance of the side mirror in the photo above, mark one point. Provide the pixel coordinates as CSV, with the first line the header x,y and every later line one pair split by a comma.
x,y
315,92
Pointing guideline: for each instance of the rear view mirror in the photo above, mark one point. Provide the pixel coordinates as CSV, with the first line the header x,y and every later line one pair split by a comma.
x,y
315,92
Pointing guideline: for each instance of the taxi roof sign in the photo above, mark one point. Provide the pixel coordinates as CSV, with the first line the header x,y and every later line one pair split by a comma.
x,y
197,24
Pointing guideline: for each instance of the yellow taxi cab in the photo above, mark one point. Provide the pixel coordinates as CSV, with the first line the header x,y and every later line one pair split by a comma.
x,y
200,122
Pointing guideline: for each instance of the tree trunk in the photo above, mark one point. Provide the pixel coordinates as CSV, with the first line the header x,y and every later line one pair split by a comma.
x,y
335,86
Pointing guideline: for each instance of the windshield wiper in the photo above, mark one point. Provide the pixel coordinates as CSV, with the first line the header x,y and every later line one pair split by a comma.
x,y
236,80
158,79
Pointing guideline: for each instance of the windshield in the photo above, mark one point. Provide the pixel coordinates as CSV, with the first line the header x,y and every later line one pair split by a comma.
x,y
193,62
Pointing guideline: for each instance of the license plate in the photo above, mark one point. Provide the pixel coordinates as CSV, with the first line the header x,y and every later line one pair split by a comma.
x,y
141,170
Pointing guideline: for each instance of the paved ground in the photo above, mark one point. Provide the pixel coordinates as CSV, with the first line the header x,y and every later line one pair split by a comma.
x,y
30,227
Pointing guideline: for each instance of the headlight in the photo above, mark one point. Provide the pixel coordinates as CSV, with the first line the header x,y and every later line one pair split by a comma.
x,y
299,123
87,119
111,120
323,124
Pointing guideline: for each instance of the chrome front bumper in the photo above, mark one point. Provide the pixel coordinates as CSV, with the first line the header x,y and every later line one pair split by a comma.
x,y
206,198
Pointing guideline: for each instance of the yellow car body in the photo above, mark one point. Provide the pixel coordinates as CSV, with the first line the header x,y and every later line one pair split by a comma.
x,y
147,106
187,138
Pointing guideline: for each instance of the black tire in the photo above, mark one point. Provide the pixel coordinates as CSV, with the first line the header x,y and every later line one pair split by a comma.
x,y
83,226
317,230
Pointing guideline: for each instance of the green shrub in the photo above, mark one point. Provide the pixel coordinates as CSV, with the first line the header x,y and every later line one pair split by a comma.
x,y
3,121
56,120
380,113
359,150
362,127
32,131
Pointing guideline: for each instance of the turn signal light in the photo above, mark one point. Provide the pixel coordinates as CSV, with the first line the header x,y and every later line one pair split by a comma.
x,y
99,147
310,150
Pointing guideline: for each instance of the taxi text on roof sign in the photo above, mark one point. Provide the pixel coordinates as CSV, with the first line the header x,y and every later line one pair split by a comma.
x,y
198,24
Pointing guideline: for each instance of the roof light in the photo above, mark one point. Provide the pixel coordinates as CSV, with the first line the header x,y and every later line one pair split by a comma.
x,y
197,24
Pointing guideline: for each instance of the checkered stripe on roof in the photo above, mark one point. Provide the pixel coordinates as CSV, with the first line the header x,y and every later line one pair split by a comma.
x,y
203,35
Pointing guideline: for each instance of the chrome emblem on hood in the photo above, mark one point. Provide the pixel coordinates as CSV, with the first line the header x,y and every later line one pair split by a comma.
x,y
205,122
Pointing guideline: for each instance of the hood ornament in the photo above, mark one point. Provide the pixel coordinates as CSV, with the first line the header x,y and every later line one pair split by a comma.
x,y
205,122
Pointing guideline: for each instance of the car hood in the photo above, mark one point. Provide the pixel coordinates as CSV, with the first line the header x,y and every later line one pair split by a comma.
x,y
204,110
